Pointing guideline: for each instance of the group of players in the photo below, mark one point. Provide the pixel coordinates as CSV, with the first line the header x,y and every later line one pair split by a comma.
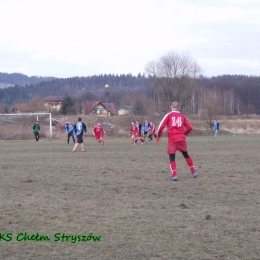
x,y
136,131
177,125
78,129
148,130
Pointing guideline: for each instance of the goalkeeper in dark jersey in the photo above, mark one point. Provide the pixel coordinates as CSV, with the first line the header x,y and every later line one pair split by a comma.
x,y
36,130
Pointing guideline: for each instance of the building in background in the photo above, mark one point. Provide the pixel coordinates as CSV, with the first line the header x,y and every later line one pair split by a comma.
x,y
98,108
38,106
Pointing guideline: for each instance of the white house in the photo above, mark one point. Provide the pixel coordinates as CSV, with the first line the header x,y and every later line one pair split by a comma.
x,y
123,112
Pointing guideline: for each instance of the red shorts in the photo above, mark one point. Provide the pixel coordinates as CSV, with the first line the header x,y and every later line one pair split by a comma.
x,y
98,137
136,134
176,146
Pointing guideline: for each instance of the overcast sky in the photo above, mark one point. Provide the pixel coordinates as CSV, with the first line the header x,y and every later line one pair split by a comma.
x,y
66,38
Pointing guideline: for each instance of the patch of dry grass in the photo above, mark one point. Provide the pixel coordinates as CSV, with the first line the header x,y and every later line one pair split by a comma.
x,y
122,193
21,129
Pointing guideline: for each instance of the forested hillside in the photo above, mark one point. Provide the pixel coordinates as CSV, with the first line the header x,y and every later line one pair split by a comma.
x,y
228,94
89,87
21,79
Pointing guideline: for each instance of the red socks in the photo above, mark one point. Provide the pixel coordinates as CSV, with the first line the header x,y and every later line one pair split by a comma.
x,y
190,163
173,168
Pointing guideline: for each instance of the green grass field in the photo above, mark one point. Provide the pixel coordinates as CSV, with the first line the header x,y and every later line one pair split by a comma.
x,y
123,194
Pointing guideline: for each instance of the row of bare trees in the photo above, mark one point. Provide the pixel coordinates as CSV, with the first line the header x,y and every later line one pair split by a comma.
x,y
177,77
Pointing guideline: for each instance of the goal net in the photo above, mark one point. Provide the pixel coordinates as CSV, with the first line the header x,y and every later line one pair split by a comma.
x,y
20,126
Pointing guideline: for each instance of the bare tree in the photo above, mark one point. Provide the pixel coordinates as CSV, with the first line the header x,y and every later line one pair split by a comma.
x,y
173,77
211,106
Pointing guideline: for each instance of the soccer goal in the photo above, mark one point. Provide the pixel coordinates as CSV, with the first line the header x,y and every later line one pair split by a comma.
x,y
20,126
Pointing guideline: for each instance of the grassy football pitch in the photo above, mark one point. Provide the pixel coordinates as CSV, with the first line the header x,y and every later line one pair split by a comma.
x,y
123,194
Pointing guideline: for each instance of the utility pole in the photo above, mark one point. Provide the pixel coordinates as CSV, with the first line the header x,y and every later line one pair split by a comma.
x,y
107,93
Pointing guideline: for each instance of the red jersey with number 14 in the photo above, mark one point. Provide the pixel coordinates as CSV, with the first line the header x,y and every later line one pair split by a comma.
x,y
177,124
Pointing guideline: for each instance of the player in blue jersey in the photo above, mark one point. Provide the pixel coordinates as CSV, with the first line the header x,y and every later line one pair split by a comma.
x,y
216,127
79,128
70,131
146,129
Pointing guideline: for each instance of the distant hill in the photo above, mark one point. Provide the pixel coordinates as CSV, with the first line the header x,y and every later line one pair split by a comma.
x,y
12,79
24,87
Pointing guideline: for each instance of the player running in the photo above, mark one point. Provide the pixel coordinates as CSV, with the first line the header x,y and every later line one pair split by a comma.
x,y
139,126
146,129
78,129
98,132
134,131
152,131
176,122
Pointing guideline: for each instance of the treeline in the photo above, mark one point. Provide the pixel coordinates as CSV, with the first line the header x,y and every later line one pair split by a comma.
x,y
241,92
228,94
75,86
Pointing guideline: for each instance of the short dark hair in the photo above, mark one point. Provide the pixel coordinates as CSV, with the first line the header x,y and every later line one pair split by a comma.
x,y
175,104
79,119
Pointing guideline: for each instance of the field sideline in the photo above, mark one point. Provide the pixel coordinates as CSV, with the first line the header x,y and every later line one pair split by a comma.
x,y
123,194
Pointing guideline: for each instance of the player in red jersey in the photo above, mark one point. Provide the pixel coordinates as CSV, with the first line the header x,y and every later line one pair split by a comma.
x,y
152,131
98,132
178,127
134,131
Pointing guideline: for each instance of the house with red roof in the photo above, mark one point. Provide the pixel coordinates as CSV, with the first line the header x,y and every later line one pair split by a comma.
x,y
37,106
28,108
52,105
98,108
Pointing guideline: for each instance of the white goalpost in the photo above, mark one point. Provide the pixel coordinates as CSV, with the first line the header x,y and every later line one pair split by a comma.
x,y
12,124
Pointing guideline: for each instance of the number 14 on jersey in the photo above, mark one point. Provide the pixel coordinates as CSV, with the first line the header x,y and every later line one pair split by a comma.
x,y
176,121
